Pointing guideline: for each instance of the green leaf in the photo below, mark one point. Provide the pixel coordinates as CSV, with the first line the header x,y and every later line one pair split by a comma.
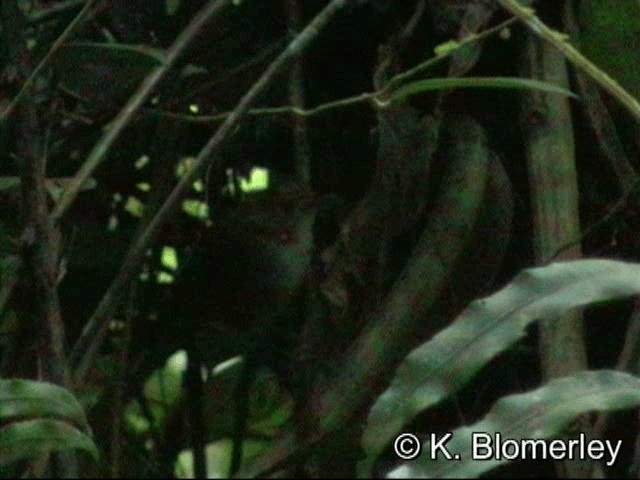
x,y
21,399
163,388
196,208
171,6
485,328
258,180
169,258
104,72
25,440
420,86
535,415
134,206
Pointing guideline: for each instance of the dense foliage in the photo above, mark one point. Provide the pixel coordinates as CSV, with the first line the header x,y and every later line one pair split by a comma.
x,y
267,237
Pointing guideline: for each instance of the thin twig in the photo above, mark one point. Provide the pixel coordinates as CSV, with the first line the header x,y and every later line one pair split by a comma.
x,y
287,109
399,79
261,57
87,346
611,212
367,97
100,150
45,14
47,58
301,147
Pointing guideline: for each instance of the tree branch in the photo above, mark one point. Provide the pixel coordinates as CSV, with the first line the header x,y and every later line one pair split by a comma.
x,y
87,346
559,40
100,150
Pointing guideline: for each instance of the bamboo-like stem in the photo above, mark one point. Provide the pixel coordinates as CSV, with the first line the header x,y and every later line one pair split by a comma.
x,y
301,147
550,151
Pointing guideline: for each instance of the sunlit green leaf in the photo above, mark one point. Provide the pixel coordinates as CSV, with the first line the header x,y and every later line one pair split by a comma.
x,y
196,209
142,162
258,180
164,278
169,258
162,391
134,206
184,166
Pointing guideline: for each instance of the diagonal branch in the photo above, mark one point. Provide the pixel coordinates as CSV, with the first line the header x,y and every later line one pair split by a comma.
x,y
47,58
559,41
87,346
100,150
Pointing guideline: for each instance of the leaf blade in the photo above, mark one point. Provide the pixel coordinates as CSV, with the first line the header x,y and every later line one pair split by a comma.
x,y
21,399
535,415
485,328
25,440
430,84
